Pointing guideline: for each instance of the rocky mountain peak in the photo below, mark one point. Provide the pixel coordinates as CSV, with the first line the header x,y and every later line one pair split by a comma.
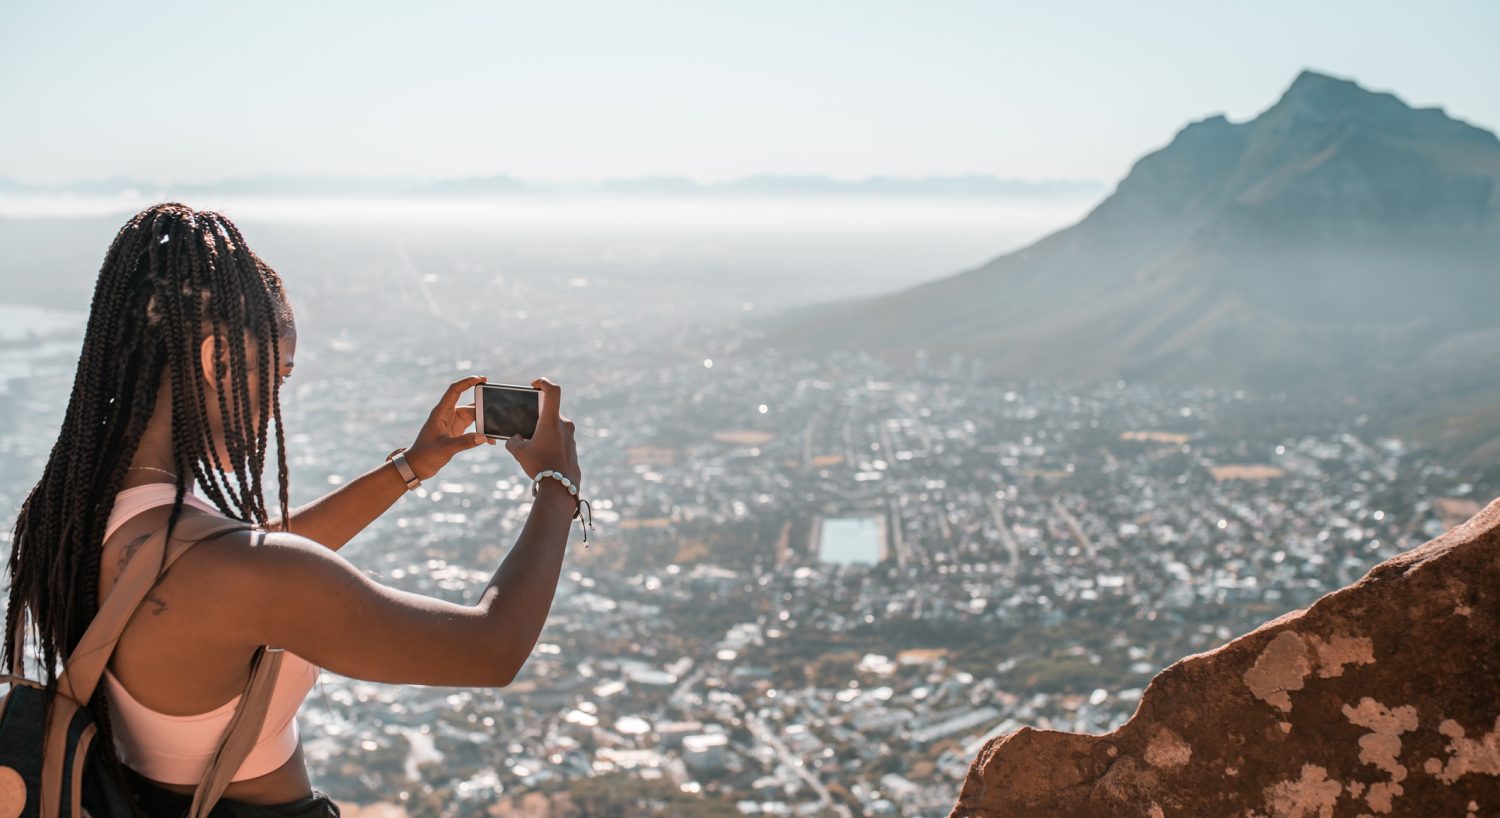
x,y
1340,233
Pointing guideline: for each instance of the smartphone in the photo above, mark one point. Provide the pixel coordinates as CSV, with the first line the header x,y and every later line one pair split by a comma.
x,y
505,410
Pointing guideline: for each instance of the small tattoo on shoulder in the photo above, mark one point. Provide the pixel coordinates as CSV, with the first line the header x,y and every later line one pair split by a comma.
x,y
130,548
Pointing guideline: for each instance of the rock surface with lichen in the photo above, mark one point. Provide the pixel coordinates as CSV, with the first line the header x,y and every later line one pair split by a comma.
x,y
1381,699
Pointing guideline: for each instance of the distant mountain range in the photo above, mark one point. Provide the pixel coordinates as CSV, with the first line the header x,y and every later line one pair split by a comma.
x,y
1338,237
764,185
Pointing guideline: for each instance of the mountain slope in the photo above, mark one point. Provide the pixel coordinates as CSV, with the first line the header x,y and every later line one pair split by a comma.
x,y
1339,229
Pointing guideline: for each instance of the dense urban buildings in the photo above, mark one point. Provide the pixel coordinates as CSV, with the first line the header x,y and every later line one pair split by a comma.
x,y
816,585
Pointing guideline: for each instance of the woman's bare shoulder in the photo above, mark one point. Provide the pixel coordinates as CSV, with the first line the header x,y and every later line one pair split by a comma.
x,y
253,551
226,564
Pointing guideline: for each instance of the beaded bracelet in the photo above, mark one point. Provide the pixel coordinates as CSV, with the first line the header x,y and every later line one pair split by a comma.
x,y
580,505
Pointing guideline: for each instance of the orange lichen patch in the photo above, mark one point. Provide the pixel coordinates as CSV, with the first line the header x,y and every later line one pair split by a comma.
x,y
1167,749
1314,793
1340,650
1287,661
1281,667
1245,471
1479,756
1382,746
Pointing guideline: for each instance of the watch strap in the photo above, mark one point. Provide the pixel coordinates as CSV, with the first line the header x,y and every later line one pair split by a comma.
x,y
404,468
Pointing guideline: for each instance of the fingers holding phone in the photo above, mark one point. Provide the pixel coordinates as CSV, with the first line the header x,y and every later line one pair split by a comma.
x,y
552,445
551,397
531,420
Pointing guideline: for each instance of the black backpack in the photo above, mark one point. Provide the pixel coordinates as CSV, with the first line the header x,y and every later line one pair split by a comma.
x,y
50,765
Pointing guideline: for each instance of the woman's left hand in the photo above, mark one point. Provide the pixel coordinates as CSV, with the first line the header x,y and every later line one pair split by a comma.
x,y
444,434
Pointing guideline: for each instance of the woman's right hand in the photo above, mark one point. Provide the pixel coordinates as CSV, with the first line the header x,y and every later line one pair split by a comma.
x,y
551,446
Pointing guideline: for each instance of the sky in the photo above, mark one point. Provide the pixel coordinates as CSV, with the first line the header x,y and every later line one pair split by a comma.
x,y
582,91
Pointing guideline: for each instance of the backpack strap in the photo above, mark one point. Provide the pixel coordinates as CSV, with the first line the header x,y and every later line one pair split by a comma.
x,y
241,734
85,665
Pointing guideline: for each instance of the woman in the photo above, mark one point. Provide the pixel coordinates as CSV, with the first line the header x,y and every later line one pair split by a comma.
x,y
189,339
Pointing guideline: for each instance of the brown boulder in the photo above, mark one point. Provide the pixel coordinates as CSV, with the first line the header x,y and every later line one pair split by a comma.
x,y
1381,699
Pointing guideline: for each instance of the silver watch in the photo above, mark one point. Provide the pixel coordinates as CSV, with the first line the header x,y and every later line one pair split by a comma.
x,y
399,458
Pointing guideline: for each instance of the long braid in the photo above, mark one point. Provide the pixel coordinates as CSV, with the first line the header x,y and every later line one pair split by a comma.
x,y
238,405
228,396
283,493
268,320
269,314
100,706
182,405
144,363
171,277
194,430
282,318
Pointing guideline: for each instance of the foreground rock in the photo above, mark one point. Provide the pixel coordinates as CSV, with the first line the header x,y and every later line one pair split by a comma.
x,y
1381,699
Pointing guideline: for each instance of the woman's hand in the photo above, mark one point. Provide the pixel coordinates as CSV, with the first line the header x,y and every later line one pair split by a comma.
x,y
444,434
551,447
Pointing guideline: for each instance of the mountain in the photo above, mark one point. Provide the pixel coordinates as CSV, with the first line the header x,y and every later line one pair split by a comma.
x,y
1340,233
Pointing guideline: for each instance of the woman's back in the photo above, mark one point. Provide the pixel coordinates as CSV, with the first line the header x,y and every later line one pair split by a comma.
x,y
162,726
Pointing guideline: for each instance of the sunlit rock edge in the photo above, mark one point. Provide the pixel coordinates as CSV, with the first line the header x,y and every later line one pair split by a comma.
x,y
1380,699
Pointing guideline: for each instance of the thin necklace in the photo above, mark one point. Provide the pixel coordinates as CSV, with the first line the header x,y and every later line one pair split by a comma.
x,y
172,475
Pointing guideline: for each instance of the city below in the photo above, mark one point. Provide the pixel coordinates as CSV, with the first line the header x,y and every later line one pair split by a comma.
x,y
815,586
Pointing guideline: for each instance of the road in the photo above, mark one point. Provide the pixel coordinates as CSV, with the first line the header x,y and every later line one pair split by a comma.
x,y
1007,537
759,729
1077,530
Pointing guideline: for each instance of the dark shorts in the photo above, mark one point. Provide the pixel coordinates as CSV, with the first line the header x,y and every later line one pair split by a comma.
x,y
160,803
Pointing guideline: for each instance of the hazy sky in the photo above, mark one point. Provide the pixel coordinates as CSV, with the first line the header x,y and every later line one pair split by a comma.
x,y
710,90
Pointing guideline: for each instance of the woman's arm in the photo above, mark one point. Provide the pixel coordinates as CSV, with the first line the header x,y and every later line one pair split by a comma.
x,y
295,594
292,593
333,519
337,516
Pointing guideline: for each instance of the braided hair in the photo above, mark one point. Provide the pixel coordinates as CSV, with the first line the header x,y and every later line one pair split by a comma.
x,y
172,277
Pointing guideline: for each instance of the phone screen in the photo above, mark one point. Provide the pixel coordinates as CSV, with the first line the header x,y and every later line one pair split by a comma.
x,y
510,410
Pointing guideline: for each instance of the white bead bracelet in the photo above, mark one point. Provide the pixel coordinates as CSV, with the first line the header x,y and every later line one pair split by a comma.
x,y
580,505
568,484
